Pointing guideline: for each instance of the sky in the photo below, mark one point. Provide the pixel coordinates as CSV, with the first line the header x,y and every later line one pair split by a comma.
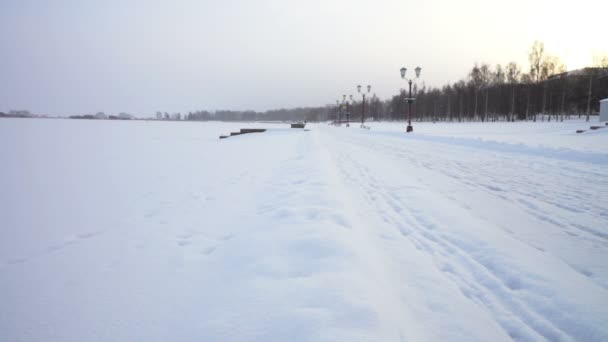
x,y
61,57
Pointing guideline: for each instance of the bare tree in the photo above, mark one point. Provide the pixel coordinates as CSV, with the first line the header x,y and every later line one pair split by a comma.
x,y
462,88
479,78
542,66
486,81
551,65
447,90
536,55
512,74
528,81
564,81
498,79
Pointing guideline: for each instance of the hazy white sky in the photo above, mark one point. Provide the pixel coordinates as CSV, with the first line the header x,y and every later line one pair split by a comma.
x,y
63,57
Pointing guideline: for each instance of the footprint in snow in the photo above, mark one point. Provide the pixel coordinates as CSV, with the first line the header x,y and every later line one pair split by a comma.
x,y
183,242
209,250
89,235
227,237
15,261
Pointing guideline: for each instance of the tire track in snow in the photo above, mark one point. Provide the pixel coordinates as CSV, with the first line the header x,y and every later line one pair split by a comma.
x,y
492,287
582,186
377,199
486,285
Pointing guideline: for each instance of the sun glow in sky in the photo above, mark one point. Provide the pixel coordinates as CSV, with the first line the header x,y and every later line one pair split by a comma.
x,y
68,57
572,31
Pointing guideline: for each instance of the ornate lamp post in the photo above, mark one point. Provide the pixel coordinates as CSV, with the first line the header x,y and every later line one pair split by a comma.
x,y
369,88
410,99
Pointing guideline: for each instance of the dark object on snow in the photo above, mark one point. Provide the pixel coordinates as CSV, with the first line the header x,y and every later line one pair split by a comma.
x,y
596,127
298,125
580,130
252,130
244,131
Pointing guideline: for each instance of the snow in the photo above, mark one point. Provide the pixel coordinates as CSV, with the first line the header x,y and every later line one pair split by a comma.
x,y
156,231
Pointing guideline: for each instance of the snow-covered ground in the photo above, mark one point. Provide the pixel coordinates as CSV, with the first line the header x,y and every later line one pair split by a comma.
x,y
159,231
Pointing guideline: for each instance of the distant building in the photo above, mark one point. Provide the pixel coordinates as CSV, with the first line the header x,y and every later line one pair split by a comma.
x,y
125,116
604,110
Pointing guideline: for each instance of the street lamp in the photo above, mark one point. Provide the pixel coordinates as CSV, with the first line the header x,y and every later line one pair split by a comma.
x,y
410,99
369,88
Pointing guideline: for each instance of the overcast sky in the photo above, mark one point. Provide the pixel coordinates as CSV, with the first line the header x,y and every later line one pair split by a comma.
x,y
63,57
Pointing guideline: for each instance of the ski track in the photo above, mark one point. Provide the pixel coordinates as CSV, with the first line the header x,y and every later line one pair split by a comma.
x,y
480,275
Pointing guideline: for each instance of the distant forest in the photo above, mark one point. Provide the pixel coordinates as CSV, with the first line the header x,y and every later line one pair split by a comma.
x,y
486,93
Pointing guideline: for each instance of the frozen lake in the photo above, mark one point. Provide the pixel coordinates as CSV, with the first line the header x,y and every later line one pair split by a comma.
x,y
158,231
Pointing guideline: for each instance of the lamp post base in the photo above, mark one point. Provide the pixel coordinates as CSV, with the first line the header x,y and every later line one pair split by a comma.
x,y
409,128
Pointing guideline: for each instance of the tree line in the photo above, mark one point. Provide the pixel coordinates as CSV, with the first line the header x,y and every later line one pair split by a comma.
x,y
546,91
292,114
508,93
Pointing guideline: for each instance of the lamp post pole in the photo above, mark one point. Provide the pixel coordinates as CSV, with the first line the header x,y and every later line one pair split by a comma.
x,y
410,99
344,106
348,110
409,109
369,88
337,117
